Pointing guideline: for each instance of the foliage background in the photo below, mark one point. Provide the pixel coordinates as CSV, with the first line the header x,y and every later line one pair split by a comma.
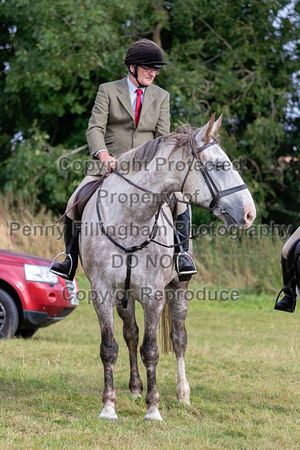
x,y
235,57
229,56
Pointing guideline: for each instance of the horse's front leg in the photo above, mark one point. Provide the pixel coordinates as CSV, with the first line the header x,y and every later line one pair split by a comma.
x,y
178,305
108,353
131,336
150,355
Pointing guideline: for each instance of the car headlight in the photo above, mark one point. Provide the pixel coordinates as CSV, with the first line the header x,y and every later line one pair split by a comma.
x,y
40,274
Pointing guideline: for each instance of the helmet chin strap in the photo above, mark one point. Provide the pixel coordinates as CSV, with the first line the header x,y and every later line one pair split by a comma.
x,y
135,75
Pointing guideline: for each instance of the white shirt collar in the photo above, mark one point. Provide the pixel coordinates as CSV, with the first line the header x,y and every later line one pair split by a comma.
x,y
132,87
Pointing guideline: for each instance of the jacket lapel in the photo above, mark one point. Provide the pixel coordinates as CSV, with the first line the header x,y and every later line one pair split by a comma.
x,y
124,96
148,100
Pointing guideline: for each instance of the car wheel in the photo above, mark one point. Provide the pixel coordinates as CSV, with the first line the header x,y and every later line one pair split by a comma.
x,y
28,333
9,317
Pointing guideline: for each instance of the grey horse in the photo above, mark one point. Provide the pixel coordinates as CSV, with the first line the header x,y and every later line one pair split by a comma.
x,y
130,209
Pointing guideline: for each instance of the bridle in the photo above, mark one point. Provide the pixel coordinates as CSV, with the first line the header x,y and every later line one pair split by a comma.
x,y
216,194
213,207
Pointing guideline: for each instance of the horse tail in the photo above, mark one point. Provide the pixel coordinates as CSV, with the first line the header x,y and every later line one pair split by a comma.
x,y
165,330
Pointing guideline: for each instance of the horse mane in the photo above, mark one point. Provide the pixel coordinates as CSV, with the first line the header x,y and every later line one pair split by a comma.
x,y
146,151
182,137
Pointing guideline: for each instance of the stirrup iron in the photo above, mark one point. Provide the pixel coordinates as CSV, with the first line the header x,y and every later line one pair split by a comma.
x,y
59,273
185,275
287,290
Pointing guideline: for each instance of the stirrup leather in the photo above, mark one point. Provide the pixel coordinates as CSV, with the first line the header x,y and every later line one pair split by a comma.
x,y
60,273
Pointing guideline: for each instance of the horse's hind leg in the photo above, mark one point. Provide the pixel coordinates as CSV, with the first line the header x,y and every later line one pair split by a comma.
x,y
131,336
108,353
178,305
150,355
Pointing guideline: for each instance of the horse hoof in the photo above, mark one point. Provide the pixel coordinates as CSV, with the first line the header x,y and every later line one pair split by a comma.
x,y
183,393
184,401
153,414
108,413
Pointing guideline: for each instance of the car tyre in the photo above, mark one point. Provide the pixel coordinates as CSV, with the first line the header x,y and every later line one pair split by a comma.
x,y
9,316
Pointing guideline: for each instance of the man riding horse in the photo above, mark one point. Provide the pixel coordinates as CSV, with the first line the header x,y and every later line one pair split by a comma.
x,y
127,113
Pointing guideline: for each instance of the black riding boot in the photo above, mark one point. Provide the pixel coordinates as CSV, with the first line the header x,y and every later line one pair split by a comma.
x,y
288,303
68,268
184,263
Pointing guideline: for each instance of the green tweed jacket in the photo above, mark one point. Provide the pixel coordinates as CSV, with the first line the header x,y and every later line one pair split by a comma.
x,y
112,124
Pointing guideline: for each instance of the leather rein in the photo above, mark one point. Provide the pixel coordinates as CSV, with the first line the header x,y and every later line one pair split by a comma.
x,y
213,207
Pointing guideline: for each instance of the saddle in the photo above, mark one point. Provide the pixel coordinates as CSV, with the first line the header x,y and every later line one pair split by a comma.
x,y
82,197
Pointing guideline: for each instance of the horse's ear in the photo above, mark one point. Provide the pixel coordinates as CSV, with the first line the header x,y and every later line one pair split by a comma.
x,y
210,127
217,125
204,132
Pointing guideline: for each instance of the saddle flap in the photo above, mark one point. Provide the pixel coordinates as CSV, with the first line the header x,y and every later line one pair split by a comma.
x,y
293,261
84,196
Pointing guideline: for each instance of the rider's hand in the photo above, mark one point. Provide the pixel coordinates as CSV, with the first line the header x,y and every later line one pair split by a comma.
x,y
108,161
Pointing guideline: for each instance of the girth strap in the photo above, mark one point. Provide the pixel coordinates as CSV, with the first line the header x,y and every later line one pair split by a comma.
x,y
127,280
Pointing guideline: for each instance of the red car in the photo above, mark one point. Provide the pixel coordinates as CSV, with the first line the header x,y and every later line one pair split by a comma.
x,y
31,297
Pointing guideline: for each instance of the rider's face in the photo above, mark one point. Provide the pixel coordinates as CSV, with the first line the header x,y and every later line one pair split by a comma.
x,y
145,77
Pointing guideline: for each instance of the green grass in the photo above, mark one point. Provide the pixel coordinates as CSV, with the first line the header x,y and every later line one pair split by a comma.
x,y
242,364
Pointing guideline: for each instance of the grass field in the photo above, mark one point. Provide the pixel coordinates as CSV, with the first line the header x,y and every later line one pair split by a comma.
x,y
242,364
242,360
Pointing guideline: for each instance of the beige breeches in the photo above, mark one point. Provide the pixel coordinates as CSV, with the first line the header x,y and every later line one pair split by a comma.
x,y
290,241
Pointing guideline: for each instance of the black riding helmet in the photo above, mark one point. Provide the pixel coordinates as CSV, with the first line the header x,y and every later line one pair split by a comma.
x,y
144,52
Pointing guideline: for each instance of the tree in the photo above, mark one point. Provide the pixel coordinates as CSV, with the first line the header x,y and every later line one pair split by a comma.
x,y
232,57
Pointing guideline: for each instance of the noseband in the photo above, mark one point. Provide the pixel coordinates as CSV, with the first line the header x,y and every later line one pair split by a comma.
x,y
216,194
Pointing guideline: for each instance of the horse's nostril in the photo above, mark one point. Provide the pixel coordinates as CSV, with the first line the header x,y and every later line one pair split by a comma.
x,y
249,217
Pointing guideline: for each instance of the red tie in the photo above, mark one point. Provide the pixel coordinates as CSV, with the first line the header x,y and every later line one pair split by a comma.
x,y
138,106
